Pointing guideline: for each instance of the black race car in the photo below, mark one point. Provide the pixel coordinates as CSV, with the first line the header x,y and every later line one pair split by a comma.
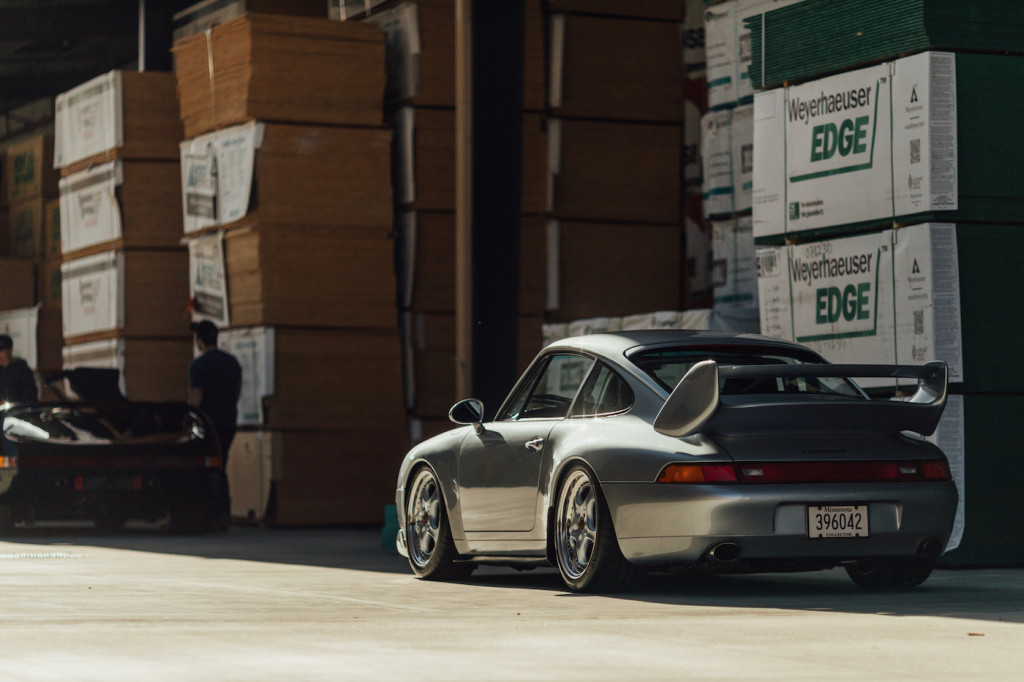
x,y
110,460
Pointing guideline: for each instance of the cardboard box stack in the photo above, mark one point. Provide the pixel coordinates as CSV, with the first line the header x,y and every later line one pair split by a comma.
x,y
28,313
287,203
615,96
882,208
725,153
421,111
122,280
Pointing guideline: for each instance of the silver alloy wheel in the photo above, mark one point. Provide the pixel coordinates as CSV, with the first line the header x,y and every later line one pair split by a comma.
x,y
576,524
423,519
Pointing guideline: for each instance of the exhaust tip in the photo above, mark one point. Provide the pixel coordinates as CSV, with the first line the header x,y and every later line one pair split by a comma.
x,y
725,552
930,549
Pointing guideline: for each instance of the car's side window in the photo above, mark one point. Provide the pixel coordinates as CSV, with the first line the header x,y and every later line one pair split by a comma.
x,y
552,389
604,392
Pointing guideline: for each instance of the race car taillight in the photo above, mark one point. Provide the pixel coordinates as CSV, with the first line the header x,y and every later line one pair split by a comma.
x,y
807,472
698,473
8,462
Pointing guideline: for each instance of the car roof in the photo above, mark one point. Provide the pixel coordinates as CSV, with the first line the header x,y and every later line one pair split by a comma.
x,y
618,344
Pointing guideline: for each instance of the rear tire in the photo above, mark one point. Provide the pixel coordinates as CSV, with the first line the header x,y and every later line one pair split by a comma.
x,y
432,553
890,573
586,549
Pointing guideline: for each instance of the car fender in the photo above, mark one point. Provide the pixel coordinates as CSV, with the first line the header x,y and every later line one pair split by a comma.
x,y
440,453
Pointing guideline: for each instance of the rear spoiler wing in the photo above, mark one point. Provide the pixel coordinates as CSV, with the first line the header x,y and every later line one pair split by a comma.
x,y
696,405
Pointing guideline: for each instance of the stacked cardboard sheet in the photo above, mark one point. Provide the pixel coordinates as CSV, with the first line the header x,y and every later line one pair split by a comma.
x,y
280,68
425,160
134,204
291,275
615,171
638,61
289,174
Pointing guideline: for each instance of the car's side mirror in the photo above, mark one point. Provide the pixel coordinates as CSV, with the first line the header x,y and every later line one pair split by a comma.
x,y
469,411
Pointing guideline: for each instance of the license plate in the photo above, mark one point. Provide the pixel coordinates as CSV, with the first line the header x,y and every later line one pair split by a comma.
x,y
837,521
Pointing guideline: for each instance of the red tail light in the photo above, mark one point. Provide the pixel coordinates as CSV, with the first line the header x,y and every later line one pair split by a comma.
x,y
807,472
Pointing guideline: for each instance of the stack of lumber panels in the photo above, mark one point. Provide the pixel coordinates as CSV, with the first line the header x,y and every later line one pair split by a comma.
x,y
421,112
123,275
29,240
286,193
615,137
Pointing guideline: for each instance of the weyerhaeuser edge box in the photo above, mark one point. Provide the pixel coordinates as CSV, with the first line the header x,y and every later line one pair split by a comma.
x,y
858,148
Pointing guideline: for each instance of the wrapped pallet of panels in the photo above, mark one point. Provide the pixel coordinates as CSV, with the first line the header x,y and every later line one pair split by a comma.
x,y
118,115
977,425
121,204
425,160
287,174
887,297
922,137
727,47
733,268
318,378
280,68
727,146
150,369
312,276
613,68
136,293
613,171
816,37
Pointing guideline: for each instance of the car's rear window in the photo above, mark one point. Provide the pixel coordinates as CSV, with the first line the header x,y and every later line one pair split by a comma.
x,y
668,365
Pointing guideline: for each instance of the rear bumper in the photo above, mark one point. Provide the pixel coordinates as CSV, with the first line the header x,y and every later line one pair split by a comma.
x,y
665,525
146,495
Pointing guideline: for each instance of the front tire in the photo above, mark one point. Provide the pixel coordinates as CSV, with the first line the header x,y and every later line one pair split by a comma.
x,y
890,573
586,549
432,553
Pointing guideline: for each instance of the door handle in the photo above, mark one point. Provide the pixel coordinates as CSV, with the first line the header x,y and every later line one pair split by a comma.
x,y
537,444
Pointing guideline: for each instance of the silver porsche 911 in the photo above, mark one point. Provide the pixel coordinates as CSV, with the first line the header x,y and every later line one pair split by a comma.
x,y
616,454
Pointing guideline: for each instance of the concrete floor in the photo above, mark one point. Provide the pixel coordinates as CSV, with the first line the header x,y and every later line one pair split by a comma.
x,y
258,604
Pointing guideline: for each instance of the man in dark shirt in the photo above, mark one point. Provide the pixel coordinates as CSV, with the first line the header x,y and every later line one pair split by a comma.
x,y
17,384
214,384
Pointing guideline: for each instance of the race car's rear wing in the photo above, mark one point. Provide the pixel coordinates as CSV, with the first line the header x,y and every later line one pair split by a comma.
x,y
697,404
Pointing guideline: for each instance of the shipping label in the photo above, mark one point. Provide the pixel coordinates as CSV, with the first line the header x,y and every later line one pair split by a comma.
x,y
208,282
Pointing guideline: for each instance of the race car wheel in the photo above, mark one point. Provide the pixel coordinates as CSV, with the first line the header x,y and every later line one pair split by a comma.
x,y
586,549
890,573
432,553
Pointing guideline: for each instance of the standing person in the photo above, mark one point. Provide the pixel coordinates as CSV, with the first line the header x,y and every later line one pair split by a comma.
x,y
214,384
17,384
